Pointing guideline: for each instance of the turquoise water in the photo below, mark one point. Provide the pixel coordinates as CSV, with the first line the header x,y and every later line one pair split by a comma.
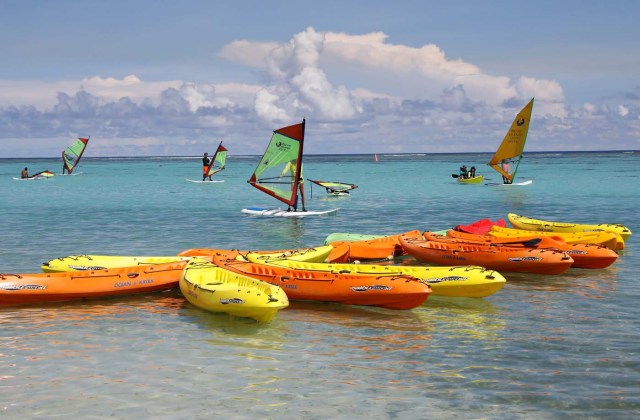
x,y
542,347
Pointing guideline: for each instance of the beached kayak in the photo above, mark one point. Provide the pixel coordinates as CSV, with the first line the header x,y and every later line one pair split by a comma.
x,y
215,289
386,291
584,255
74,285
611,240
317,254
456,281
436,249
527,223
101,262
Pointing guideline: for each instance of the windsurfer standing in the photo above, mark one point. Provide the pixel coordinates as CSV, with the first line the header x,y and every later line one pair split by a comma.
x,y
505,167
64,166
291,168
206,162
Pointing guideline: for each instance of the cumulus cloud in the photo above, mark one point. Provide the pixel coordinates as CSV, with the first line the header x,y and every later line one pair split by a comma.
x,y
355,90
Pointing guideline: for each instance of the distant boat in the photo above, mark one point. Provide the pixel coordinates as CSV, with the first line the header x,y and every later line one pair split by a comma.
x,y
73,153
375,157
512,146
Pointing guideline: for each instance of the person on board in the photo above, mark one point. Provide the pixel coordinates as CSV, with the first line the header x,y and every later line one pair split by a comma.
x,y
291,169
472,172
463,172
206,162
24,173
505,167
64,167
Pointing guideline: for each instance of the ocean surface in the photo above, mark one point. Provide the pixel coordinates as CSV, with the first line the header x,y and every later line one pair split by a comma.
x,y
565,346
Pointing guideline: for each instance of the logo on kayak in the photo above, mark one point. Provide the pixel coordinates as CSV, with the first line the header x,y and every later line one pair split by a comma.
x,y
23,287
448,278
576,252
372,287
525,259
86,267
233,300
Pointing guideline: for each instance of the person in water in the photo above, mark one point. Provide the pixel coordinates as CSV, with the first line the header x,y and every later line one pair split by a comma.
x,y
24,173
291,168
505,167
206,162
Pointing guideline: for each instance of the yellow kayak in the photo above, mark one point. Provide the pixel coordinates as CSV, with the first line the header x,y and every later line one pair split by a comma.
x,y
100,262
609,239
528,223
458,281
215,289
475,180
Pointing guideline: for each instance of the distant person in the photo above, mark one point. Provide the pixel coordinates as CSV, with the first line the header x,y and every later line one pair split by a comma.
x,y
291,169
206,162
64,166
505,167
24,173
463,172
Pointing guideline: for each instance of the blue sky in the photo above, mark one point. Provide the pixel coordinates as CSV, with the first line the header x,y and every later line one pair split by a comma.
x,y
174,78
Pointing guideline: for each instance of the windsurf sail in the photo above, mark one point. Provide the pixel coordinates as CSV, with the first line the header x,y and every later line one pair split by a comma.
x,y
72,154
218,161
279,170
43,174
335,187
510,150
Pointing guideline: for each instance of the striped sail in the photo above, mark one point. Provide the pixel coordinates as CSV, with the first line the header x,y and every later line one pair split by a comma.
x,y
278,173
72,154
218,161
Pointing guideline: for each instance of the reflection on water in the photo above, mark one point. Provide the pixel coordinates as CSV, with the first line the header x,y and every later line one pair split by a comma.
x,y
593,284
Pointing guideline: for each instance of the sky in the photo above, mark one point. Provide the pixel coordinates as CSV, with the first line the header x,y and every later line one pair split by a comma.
x,y
165,78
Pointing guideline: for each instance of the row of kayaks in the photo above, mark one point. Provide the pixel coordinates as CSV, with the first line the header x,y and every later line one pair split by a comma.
x,y
347,269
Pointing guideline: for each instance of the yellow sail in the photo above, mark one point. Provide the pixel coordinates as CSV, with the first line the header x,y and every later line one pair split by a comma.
x,y
510,150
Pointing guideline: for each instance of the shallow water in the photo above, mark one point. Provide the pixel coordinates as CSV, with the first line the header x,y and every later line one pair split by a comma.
x,y
542,347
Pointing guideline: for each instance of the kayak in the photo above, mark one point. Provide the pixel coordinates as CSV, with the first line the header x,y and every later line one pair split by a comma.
x,y
609,239
349,237
215,289
385,291
101,262
527,223
584,255
457,281
480,227
386,247
316,254
436,249
475,180
76,285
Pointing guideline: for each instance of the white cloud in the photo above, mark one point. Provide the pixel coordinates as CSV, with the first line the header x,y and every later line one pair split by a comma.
x,y
623,111
356,90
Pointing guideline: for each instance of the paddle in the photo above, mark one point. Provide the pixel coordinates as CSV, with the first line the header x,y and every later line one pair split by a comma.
x,y
455,176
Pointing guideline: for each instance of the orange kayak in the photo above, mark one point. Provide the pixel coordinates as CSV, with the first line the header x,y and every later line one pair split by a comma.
x,y
387,247
499,258
73,285
391,292
584,255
